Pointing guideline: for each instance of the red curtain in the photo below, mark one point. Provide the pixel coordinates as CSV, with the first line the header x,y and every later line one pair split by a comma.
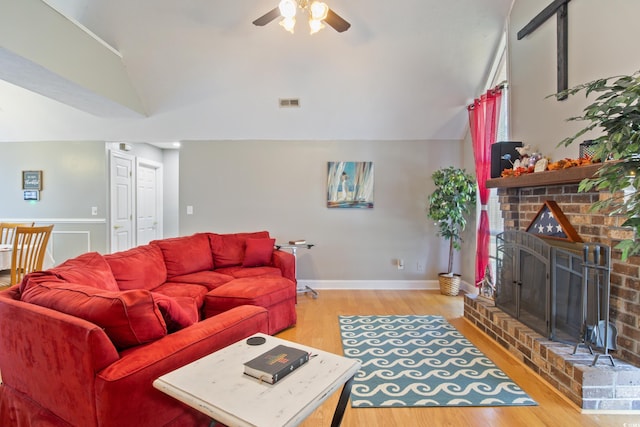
x,y
483,121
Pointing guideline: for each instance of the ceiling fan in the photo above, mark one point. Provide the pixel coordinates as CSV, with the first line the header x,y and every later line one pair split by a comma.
x,y
318,13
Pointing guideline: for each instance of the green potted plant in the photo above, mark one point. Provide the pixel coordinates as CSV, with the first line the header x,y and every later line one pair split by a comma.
x,y
449,205
616,113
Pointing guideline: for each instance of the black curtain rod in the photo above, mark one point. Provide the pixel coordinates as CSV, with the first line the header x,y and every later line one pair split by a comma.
x,y
502,85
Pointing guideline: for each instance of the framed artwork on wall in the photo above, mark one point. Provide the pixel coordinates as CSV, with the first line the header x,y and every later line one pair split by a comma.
x,y
32,180
350,185
31,195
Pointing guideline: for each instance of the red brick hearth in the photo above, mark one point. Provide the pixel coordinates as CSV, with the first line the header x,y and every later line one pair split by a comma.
x,y
604,387
598,389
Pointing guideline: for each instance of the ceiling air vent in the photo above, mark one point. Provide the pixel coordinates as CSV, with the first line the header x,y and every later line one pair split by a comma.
x,y
289,102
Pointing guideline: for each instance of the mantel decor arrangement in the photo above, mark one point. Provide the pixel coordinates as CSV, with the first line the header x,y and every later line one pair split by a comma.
x,y
449,205
550,177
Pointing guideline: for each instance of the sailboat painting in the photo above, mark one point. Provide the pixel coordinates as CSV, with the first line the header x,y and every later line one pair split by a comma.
x,y
350,185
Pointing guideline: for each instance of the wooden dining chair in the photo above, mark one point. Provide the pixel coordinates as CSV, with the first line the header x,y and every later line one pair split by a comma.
x,y
8,231
29,247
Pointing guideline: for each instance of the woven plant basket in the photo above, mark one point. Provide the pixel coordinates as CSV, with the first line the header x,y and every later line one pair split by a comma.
x,y
449,285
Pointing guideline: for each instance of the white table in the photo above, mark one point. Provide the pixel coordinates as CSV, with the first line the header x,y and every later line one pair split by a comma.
x,y
5,258
302,289
216,385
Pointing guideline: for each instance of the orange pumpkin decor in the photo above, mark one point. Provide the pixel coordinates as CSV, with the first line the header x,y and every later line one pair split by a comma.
x,y
552,166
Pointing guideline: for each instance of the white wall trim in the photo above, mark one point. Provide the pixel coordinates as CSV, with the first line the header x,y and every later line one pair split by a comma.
x,y
379,285
58,220
86,233
57,235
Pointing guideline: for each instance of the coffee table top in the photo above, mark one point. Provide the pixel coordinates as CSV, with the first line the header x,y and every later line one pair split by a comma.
x,y
216,385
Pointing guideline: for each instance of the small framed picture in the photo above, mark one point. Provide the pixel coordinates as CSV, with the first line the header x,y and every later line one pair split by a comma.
x,y
32,180
31,195
350,185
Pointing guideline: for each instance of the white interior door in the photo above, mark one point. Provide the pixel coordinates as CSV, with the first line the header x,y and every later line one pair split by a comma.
x,y
148,202
121,220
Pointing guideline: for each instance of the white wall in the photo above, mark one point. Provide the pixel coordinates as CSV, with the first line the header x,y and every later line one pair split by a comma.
x,y
280,186
75,179
171,180
603,41
74,176
236,186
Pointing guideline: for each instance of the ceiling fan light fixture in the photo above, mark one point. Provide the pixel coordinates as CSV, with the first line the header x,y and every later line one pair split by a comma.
x,y
288,8
318,10
289,24
315,25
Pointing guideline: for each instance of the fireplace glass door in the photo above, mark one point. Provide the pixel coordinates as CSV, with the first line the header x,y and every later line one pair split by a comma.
x,y
522,279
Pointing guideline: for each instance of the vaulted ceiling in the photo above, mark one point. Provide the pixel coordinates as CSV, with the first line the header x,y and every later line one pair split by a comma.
x,y
199,69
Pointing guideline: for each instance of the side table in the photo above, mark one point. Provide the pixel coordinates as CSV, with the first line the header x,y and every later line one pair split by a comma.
x,y
216,386
302,289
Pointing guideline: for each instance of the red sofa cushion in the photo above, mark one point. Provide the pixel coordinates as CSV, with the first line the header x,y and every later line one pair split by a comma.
x,y
276,294
228,249
139,268
208,279
238,271
177,312
89,269
187,290
38,277
258,252
184,255
129,318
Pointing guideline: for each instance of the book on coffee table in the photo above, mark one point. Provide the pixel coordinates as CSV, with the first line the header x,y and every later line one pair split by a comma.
x,y
273,365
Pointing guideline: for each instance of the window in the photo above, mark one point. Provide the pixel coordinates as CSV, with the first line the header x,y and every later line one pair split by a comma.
x,y
498,77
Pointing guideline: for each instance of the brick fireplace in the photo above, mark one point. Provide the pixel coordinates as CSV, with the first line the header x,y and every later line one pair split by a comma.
x,y
605,388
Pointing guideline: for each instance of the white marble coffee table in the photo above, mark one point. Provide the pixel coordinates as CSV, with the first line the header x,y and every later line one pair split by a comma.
x,y
215,385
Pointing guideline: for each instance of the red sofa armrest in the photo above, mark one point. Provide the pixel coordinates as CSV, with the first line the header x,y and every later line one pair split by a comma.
x,y
52,358
124,390
286,262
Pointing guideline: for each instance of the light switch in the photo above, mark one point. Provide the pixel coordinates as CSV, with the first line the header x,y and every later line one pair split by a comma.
x,y
94,210
189,210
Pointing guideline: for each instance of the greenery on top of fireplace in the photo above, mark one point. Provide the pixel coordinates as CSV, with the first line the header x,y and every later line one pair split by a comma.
x,y
616,112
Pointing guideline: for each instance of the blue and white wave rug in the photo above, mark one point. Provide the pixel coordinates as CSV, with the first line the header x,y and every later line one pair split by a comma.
x,y
422,361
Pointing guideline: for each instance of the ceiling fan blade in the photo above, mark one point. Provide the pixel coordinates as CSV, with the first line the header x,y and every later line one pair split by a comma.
x,y
336,21
267,17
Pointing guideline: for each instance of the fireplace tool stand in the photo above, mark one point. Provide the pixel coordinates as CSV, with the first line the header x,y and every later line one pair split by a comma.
x,y
601,333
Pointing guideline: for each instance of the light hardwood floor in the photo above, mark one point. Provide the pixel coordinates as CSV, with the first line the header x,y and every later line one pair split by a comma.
x,y
318,327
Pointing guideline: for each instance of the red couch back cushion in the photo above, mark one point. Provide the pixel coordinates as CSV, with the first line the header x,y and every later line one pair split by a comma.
x,y
185,255
138,268
228,249
258,252
129,318
177,312
89,269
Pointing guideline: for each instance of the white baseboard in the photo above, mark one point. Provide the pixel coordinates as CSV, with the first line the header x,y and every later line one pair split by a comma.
x,y
379,285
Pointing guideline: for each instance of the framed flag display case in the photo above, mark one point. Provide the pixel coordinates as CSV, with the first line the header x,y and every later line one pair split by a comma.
x,y
550,222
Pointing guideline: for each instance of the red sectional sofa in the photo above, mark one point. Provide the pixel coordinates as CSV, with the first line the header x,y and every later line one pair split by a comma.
x,y
81,343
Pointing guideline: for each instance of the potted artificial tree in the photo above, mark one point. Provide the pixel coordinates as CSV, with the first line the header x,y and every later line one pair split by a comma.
x,y
449,205
615,112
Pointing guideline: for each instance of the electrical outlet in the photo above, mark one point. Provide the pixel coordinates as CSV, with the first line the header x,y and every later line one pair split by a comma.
x,y
400,264
420,266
